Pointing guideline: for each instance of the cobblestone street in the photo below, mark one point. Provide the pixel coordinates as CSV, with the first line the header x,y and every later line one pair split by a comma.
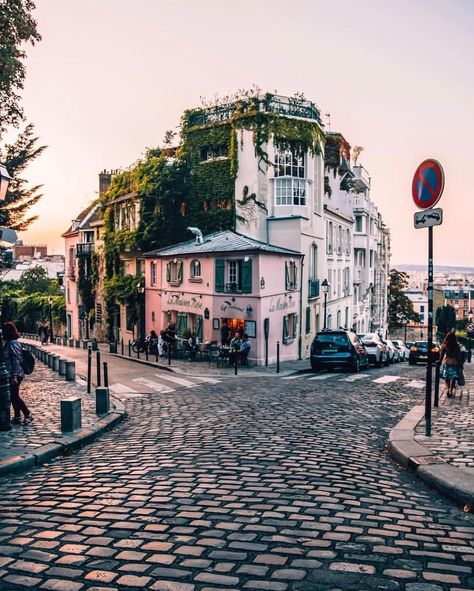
x,y
261,483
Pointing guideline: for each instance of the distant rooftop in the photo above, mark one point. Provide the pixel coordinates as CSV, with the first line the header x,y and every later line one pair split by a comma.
x,y
265,103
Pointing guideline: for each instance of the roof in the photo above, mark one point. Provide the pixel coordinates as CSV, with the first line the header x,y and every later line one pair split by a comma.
x,y
217,242
127,197
85,218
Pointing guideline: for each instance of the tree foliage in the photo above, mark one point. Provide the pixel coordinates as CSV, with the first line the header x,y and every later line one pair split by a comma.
x,y
445,319
17,27
36,280
20,196
400,307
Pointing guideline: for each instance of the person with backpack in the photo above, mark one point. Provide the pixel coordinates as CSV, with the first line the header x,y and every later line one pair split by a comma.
x,y
13,357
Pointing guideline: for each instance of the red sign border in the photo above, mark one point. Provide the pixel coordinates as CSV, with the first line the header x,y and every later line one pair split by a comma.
x,y
428,163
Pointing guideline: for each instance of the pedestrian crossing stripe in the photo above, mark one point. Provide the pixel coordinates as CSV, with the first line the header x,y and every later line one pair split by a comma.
x,y
353,378
416,384
176,380
122,389
323,376
153,385
207,380
386,379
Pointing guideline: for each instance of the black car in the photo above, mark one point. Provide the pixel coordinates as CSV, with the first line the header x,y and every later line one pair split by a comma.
x,y
338,348
419,352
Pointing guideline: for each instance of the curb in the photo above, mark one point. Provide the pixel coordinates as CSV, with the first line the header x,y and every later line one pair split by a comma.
x,y
64,443
452,482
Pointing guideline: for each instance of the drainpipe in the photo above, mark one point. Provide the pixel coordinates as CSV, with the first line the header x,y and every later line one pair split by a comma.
x,y
300,341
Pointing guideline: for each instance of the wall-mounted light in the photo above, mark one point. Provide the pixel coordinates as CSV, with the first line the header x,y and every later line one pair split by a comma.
x,y
206,313
262,283
246,259
249,309
153,317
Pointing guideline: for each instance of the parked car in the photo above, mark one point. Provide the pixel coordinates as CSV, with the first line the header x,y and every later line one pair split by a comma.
x,y
402,349
338,348
377,350
394,352
419,352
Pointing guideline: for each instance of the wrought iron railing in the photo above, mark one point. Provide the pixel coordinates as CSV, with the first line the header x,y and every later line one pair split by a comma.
x,y
84,249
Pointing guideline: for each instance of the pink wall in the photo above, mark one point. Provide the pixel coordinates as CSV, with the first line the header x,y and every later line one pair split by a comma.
x,y
71,283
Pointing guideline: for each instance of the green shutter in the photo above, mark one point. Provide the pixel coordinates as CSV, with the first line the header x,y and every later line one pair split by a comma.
x,y
220,275
287,276
247,276
295,325
168,272
285,328
180,271
199,327
182,323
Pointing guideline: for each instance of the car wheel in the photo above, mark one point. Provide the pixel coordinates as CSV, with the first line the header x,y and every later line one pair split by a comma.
x,y
387,361
356,365
378,362
411,362
314,366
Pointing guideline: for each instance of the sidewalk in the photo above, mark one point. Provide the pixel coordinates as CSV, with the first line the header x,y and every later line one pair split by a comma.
x,y
445,460
26,446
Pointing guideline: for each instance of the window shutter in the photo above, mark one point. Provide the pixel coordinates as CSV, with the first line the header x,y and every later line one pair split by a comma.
x,y
295,325
295,276
308,320
168,272
220,275
199,327
287,276
247,276
180,271
285,328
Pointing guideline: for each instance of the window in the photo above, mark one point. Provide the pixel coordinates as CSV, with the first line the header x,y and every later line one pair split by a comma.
x,y
348,242
329,238
358,223
308,320
234,276
181,323
290,177
153,273
290,327
195,268
291,275
313,261
422,309
214,152
339,240
174,272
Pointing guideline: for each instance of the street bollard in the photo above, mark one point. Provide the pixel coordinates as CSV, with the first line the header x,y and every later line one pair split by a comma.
x,y
106,375
98,367
129,349
278,357
62,367
138,350
71,419
102,401
469,355
56,363
5,399
436,384
169,353
156,354
85,344
89,369
70,342
121,345
77,344
146,354
70,371
49,360
235,363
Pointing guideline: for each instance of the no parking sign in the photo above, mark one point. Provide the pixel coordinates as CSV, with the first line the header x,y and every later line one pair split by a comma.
x,y
428,184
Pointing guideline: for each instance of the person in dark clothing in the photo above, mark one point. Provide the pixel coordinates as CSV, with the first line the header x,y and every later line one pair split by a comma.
x,y
225,333
13,357
169,337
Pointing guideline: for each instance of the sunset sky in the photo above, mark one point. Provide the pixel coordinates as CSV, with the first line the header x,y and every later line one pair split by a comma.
x,y
110,76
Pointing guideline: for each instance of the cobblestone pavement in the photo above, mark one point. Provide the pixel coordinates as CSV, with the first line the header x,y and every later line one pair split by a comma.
x,y
270,483
453,425
42,391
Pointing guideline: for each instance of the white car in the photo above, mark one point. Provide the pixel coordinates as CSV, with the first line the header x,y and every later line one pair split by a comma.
x,y
394,354
376,349
402,349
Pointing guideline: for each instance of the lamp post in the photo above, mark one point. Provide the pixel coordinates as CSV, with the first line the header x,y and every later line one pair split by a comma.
x,y
470,316
4,375
50,302
325,288
141,310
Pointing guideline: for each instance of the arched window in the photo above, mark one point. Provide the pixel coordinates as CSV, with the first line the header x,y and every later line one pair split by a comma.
x,y
195,268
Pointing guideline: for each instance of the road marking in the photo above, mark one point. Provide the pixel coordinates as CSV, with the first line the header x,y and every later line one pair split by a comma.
x,y
295,377
153,385
324,376
386,379
207,380
122,389
416,384
175,380
353,378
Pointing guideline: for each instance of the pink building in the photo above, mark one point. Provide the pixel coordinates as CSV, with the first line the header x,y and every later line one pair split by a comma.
x,y
228,279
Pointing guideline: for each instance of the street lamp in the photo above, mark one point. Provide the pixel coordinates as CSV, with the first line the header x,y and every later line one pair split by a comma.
x,y
50,302
5,425
325,288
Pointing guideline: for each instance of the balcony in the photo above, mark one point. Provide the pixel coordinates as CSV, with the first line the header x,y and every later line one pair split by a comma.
x,y
85,249
361,178
313,288
363,204
233,288
267,103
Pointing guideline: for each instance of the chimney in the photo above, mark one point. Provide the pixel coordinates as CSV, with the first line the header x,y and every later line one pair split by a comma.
x,y
105,178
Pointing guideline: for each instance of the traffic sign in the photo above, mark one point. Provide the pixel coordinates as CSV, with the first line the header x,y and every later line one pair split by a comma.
x,y
428,184
470,327
429,217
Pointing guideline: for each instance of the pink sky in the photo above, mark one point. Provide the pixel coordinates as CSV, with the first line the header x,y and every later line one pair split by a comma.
x,y
110,76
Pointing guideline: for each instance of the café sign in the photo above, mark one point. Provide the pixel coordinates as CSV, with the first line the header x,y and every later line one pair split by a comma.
x,y
175,299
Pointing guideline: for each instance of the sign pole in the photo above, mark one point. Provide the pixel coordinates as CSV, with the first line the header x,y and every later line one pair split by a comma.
x,y
429,364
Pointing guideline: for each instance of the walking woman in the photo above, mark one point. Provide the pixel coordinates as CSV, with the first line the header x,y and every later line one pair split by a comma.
x,y
452,361
13,357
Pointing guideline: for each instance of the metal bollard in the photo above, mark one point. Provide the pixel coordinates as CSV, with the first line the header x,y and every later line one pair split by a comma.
x,y
71,414
169,353
56,363
62,367
49,359
98,367
436,384
70,371
106,375
278,357
138,351
89,369
146,354
236,359
102,401
129,349
121,345
5,400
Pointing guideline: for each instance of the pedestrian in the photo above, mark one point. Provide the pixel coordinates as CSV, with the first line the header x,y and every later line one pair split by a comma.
x,y
162,344
193,346
169,336
452,361
13,356
224,333
245,348
235,345
152,342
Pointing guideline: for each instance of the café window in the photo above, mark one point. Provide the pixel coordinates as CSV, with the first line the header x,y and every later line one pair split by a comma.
x,y
195,269
174,272
290,327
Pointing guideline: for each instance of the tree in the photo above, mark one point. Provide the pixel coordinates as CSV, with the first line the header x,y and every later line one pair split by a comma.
x,y
17,27
445,319
36,280
20,197
400,307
